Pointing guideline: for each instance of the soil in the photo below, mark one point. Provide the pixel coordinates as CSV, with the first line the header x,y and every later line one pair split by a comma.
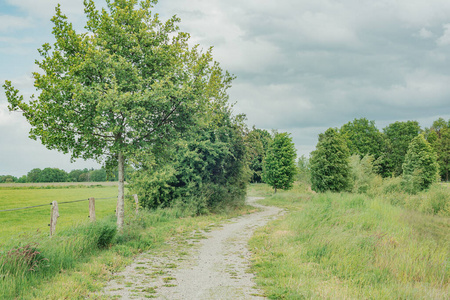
x,y
212,264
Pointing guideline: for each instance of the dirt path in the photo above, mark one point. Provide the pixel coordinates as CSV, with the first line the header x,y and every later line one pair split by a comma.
x,y
209,265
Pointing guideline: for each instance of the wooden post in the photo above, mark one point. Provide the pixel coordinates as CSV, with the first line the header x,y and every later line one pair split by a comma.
x,y
54,217
92,209
136,200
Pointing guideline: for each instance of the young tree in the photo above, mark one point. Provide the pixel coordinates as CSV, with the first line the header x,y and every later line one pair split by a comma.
x,y
329,163
279,164
129,82
257,141
398,137
439,138
420,168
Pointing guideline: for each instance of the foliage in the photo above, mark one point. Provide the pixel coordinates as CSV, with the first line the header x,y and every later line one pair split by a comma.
x,y
303,170
257,141
279,164
398,137
420,168
209,165
363,138
362,173
329,163
127,83
439,138
8,179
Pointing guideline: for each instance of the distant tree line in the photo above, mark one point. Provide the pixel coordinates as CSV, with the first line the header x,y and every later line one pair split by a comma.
x,y
402,149
58,175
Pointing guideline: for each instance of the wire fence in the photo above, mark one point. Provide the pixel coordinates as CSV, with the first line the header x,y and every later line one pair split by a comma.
x,y
65,202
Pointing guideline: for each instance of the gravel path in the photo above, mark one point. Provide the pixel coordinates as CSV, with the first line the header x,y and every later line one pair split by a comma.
x,y
209,265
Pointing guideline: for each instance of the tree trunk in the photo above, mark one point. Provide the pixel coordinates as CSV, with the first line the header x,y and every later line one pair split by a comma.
x,y
120,198
275,188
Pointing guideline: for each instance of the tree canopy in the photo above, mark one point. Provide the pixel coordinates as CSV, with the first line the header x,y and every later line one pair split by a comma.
x,y
131,81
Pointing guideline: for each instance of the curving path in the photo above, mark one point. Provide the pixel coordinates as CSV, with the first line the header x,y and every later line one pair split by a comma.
x,y
216,266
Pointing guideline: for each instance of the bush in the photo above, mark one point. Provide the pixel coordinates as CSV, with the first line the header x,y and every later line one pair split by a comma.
x,y
362,173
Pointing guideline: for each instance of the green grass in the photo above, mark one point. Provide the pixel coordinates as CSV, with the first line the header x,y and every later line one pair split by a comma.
x,y
19,222
344,246
78,261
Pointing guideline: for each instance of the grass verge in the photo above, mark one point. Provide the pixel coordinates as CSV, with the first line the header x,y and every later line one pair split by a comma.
x,y
344,246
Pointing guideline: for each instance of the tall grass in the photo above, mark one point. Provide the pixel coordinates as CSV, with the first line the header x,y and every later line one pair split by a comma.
x,y
342,246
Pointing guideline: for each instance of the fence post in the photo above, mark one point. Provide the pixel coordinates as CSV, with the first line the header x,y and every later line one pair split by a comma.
x,y
54,217
92,209
136,200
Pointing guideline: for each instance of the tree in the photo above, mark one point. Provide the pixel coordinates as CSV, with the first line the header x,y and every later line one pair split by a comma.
x,y
303,171
363,138
34,175
129,82
420,168
439,138
258,141
329,163
279,164
52,175
398,137
204,169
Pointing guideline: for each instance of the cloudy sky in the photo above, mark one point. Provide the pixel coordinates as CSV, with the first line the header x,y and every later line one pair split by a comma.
x,y
302,66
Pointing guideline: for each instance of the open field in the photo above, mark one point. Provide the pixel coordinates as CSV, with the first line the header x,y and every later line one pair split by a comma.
x,y
350,246
14,223
56,184
77,262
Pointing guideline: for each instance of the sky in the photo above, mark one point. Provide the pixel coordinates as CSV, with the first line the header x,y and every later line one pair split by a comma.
x,y
301,66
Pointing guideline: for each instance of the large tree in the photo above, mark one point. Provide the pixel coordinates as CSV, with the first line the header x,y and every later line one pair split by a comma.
x,y
279,164
329,163
128,82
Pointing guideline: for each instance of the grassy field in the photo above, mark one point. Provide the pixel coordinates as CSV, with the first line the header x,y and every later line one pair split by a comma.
x,y
346,246
77,261
19,222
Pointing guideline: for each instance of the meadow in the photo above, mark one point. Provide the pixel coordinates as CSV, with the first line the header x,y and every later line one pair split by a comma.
x,y
350,246
19,222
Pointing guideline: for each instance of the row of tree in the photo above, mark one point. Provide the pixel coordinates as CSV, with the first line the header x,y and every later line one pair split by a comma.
x,y
59,175
401,149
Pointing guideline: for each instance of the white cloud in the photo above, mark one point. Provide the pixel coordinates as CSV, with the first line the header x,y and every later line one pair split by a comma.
x,y
445,38
425,33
